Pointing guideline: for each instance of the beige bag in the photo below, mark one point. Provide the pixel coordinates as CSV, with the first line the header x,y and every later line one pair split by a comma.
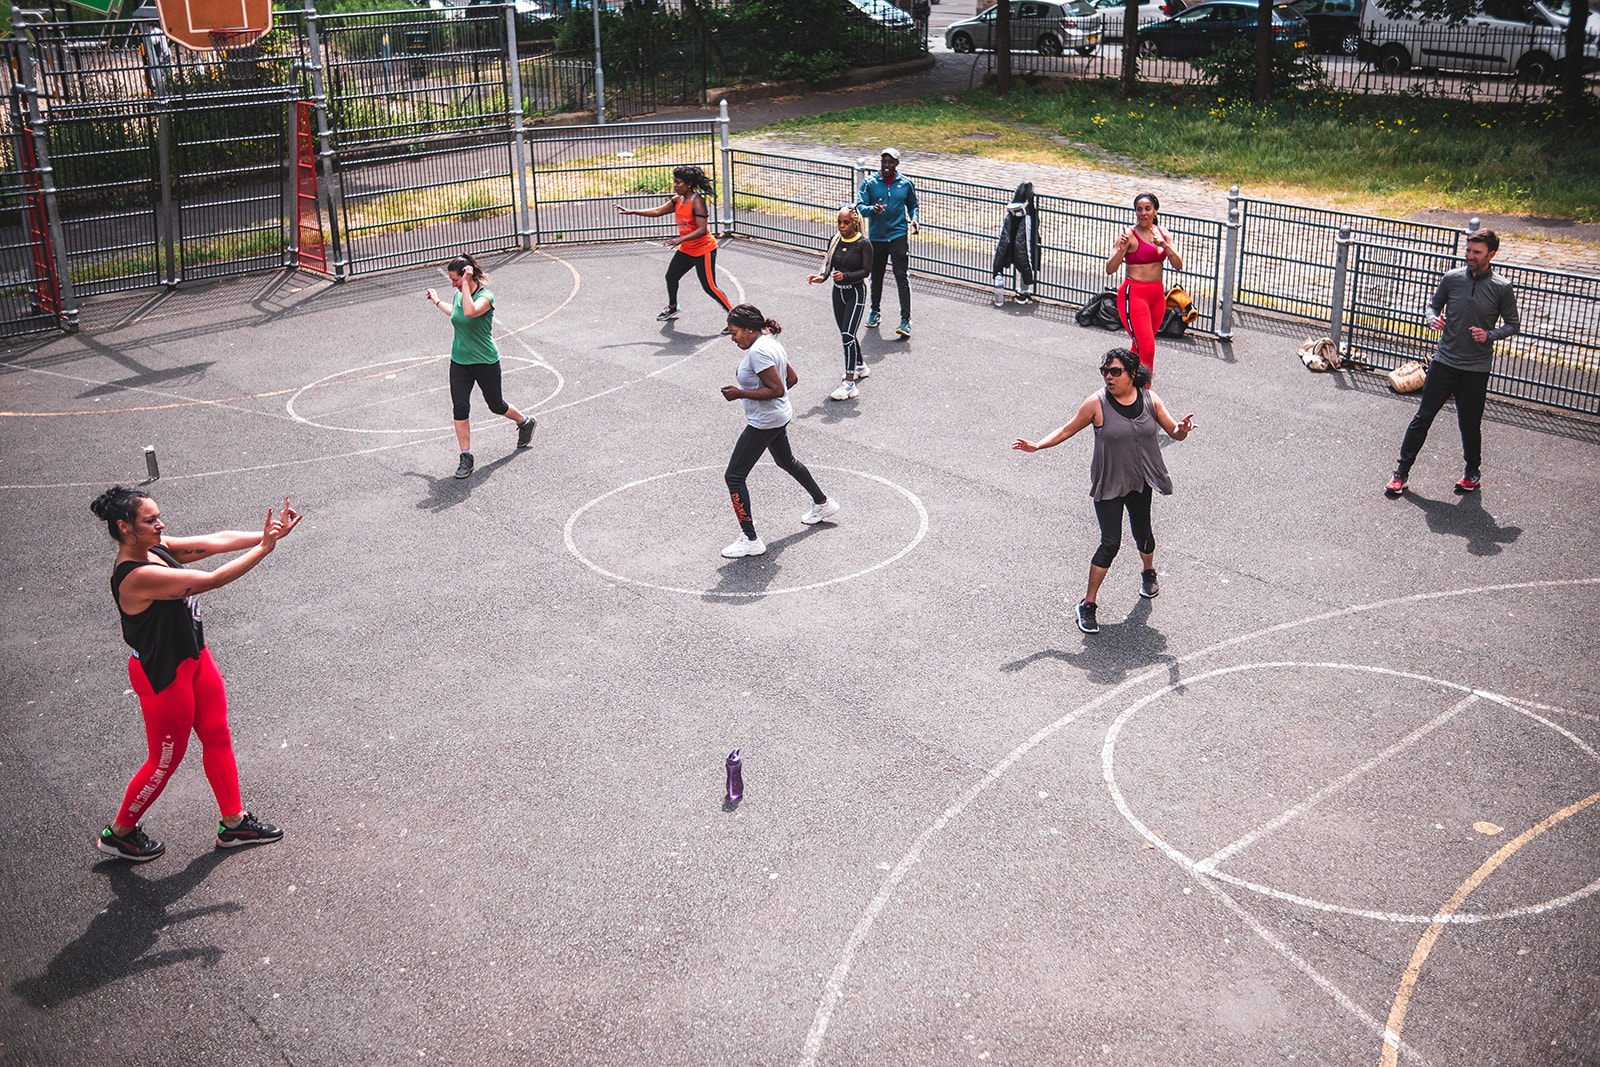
x,y
1408,377
1320,355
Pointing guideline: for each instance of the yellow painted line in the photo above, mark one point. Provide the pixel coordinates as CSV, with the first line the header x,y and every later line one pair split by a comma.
x,y
1408,983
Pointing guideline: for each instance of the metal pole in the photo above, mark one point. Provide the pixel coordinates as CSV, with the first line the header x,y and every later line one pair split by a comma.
x,y
519,149
1230,263
727,169
599,72
291,187
328,198
164,221
1341,266
47,179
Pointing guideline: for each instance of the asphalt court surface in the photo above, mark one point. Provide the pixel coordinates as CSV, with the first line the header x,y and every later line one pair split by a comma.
x,y
1341,778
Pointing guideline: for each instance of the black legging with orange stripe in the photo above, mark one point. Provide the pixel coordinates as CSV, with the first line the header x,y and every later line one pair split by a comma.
x,y
704,265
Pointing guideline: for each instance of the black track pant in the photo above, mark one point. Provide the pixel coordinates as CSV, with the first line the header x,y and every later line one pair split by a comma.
x,y
746,451
486,376
705,266
1109,512
849,301
883,253
1471,389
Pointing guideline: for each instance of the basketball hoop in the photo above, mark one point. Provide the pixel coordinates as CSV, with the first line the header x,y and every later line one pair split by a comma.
x,y
240,52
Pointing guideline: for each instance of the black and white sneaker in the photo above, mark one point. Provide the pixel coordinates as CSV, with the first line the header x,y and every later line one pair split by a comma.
x,y
1150,589
247,831
525,430
465,469
138,846
1086,620
668,313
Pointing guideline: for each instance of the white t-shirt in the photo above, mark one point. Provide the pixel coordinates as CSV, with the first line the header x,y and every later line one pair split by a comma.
x,y
765,414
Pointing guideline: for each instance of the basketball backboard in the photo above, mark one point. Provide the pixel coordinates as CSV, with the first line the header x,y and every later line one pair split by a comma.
x,y
191,23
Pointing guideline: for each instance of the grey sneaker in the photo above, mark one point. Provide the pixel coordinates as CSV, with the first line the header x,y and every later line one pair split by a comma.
x,y
465,469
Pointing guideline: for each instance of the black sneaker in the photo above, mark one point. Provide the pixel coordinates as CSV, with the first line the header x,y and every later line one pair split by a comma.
x,y
137,846
465,470
668,313
1150,589
249,831
524,432
1086,621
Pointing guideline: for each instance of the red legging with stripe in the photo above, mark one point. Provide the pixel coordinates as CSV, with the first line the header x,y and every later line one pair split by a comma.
x,y
195,701
1140,306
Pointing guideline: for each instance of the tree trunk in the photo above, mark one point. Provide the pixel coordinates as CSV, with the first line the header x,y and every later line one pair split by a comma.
x,y
708,42
1264,52
1572,64
1130,48
1002,47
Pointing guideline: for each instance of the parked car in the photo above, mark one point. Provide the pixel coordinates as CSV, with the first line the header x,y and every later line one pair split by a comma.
x,y
1205,28
1335,25
1049,29
1111,12
882,11
1523,37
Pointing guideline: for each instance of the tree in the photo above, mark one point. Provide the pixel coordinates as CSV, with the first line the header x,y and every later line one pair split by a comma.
x,y
1264,48
1130,47
707,41
1572,64
1002,47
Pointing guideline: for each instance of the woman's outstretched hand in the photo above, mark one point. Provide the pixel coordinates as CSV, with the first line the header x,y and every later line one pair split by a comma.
x,y
1021,445
278,527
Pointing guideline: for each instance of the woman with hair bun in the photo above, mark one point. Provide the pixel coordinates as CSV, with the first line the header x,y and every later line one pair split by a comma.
x,y
1126,466
1142,297
180,689
764,379
696,248
474,357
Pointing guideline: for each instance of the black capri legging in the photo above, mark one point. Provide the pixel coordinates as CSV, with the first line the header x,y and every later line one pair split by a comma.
x,y
746,451
1109,512
486,376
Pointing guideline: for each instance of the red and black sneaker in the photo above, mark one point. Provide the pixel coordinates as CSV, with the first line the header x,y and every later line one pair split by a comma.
x,y
247,831
137,846
1469,482
1397,484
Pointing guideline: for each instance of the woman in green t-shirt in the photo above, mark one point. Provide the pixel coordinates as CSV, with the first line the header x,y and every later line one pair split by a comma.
x,y
474,358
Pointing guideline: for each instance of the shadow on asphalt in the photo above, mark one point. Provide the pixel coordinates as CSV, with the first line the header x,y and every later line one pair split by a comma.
x,y
743,581
1118,650
119,940
1465,517
447,491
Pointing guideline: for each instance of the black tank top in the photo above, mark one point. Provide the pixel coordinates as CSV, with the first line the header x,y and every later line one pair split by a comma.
x,y
164,634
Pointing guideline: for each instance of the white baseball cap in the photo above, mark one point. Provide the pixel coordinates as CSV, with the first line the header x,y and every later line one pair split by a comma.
x,y
892,153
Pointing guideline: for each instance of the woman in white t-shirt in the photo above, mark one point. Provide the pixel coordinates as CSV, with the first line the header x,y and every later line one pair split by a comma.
x,y
764,379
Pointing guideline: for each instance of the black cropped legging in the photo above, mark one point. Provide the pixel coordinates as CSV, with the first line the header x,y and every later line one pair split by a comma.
x,y
746,451
487,378
849,301
1109,512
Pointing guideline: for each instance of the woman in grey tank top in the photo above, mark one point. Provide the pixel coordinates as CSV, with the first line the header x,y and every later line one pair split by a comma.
x,y
1126,467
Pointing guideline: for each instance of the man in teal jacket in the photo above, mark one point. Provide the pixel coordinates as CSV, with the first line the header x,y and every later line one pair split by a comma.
x,y
888,200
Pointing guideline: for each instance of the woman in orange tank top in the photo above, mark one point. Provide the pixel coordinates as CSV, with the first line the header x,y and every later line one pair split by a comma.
x,y
696,248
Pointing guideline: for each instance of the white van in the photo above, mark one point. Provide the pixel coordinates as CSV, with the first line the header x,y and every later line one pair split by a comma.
x,y
1522,37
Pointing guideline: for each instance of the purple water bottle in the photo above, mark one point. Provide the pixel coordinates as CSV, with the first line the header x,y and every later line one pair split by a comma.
x,y
735,777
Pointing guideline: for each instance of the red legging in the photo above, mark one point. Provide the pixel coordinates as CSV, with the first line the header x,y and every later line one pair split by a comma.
x,y
194,701
1140,305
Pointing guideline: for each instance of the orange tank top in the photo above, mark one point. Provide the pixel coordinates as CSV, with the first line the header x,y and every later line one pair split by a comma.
x,y
683,210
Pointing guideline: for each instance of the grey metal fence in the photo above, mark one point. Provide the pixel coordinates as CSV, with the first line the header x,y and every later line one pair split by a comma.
x,y
787,200
1554,359
1287,252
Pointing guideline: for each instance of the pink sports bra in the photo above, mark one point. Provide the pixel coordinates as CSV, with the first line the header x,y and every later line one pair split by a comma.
x,y
1143,252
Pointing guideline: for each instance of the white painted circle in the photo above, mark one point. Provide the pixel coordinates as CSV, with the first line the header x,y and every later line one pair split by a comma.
x,y
289,405
916,539
1202,869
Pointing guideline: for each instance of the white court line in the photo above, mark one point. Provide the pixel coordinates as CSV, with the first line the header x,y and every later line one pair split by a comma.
x,y
572,544
833,988
1208,864
288,405
1108,772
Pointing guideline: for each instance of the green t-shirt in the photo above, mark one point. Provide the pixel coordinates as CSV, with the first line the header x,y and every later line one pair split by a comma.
x,y
474,341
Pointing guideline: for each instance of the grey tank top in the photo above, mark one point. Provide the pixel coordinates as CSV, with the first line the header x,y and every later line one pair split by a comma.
x,y
1126,455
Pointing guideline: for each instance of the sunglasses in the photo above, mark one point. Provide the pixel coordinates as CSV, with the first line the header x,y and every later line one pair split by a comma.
x,y
1111,372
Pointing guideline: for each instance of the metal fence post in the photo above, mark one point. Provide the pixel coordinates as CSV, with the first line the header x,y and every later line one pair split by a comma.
x,y
1230,263
328,194
519,149
47,179
1341,266
728,218
291,188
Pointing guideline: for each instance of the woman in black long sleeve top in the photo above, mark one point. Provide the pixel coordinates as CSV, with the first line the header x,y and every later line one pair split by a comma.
x,y
848,262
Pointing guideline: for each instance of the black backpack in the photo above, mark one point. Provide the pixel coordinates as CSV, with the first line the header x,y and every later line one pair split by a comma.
x,y
1101,310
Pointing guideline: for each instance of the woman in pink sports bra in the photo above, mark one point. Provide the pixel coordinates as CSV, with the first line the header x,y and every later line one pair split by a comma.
x,y
1142,297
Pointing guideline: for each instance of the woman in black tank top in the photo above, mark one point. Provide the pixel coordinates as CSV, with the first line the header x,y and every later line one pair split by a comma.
x,y
180,689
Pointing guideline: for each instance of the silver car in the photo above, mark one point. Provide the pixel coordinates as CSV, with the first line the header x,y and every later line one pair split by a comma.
x,y
1049,29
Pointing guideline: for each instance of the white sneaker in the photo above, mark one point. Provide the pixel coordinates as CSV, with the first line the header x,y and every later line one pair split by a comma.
x,y
846,391
827,509
863,372
745,546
